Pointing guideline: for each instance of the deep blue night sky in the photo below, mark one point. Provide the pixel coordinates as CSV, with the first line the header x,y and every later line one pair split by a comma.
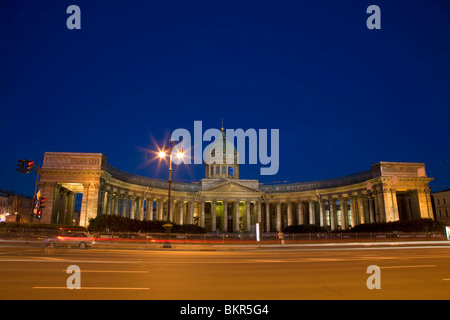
x,y
343,97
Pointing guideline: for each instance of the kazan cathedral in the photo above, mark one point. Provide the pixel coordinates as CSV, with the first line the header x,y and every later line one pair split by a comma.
x,y
222,202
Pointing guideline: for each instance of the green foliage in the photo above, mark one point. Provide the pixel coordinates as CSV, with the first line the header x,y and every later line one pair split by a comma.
x,y
114,223
309,228
18,225
418,225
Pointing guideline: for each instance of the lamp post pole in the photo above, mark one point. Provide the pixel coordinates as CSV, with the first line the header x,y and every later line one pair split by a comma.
x,y
168,225
170,181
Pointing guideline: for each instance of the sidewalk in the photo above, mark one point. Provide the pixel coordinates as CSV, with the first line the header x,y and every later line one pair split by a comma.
x,y
238,246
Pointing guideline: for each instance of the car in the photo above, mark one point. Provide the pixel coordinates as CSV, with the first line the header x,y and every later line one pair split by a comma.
x,y
78,239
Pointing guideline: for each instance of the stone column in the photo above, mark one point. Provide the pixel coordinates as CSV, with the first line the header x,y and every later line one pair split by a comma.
x,y
117,202
213,216
124,207
312,216
202,213
258,211
362,211
333,214
113,206
380,206
149,206
424,203
236,216
191,212
268,216
225,216
132,207
62,207
300,213
393,210
101,204
247,215
322,211
74,195
376,204
344,213
278,216
181,213
353,211
159,205
141,208
68,214
370,204
289,213
89,204
172,210
108,202
47,191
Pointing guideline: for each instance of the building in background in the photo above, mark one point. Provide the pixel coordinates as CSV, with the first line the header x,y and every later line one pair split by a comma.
x,y
15,207
442,206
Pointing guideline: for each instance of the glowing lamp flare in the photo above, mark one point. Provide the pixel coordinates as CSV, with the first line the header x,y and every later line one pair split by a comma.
x,y
162,154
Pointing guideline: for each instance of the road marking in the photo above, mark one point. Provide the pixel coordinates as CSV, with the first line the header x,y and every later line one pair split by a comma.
x,y
67,261
92,288
418,266
262,260
329,259
48,258
112,271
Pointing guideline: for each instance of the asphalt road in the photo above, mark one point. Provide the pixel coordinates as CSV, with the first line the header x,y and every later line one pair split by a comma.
x,y
329,272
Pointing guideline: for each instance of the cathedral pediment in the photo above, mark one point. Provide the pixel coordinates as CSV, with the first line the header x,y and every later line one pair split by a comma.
x,y
229,187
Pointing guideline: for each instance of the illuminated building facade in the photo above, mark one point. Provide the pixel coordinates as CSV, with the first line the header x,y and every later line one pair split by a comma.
x,y
221,202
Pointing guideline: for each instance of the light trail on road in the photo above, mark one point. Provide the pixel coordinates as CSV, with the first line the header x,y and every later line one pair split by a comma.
x,y
420,272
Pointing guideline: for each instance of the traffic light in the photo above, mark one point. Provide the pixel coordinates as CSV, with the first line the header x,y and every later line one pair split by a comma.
x,y
21,165
30,165
41,203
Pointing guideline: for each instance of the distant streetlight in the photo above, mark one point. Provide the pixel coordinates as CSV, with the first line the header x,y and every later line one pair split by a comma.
x,y
162,154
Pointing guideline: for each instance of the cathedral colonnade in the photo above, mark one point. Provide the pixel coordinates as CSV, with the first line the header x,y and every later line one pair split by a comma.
x,y
389,191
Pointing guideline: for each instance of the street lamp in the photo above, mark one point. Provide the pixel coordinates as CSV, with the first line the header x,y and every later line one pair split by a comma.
x,y
162,154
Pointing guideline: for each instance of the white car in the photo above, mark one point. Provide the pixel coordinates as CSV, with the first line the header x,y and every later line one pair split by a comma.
x,y
77,239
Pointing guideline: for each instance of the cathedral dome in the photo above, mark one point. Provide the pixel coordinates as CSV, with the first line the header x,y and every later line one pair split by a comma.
x,y
221,158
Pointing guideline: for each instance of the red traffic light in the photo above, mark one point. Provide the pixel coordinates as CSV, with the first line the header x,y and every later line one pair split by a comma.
x,y
42,203
30,165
